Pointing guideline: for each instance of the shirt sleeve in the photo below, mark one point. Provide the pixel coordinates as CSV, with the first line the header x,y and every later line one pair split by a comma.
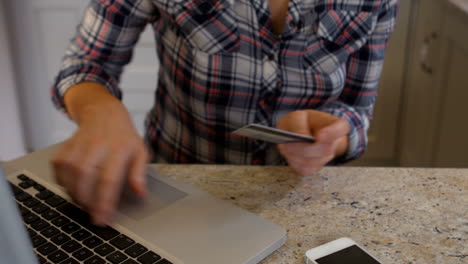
x,y
103,45
364,67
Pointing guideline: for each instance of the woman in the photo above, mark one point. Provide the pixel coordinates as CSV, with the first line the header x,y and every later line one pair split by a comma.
x,y
307,66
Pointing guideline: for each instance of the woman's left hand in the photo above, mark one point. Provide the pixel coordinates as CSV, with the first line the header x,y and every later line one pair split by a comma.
x,y
330,132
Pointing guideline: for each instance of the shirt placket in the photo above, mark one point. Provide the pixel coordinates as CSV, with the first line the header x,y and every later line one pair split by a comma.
x,y
271,73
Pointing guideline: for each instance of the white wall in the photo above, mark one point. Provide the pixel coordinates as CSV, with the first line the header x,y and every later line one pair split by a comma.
x,y
12,142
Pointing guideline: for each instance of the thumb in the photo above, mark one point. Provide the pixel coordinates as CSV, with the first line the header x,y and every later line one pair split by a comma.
x,y
334,131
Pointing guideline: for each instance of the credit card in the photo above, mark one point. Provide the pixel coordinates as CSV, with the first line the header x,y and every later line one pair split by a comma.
x,y
272,135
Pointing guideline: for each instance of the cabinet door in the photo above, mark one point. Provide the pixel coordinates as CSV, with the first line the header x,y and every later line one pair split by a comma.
x,y
435,99
451,143
422,93
41,32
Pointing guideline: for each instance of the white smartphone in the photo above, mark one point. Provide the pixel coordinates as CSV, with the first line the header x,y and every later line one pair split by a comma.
x,y
340,251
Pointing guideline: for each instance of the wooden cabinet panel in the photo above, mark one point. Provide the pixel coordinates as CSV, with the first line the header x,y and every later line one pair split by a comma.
x,y
434,130
451,143
421,96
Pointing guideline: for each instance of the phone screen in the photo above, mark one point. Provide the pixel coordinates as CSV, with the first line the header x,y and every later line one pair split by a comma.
x,y
350,255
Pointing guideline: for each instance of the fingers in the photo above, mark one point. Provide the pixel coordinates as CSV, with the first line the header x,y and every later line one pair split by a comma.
x,y
306,150
62,162
86,173
108,187
93,175
75,169
333,132
296,122
137,177
305,158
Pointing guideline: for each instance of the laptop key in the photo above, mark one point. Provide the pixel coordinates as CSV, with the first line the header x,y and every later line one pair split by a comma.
x,y
149,258
31,232
47,248
25,185
75,213
135,250
116,257
104,249
50,231
30,218
40,208
59,239
55,201
70,228
31,202
39,225
95,260
31,182
23,177
82,254
70,261
22,196
92,242
41,259
15,189
37,241
50,214
105,233
24,211
57,256
81,234
122,242
60,221
39,187
44,194
71,246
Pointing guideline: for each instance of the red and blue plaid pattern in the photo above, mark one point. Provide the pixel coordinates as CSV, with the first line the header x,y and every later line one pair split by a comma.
x,y
222,67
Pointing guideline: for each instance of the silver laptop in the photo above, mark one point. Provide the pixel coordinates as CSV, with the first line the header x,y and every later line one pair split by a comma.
x,y
176,224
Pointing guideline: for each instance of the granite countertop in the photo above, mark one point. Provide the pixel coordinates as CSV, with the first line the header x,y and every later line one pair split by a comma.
x,y
402,216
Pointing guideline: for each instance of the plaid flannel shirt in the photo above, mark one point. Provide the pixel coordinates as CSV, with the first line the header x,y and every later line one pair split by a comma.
x,y
222,67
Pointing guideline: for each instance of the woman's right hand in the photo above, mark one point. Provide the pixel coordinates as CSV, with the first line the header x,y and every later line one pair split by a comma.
x,y
104,153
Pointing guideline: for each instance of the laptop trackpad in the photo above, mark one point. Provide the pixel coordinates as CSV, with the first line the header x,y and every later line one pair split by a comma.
x,y
160,195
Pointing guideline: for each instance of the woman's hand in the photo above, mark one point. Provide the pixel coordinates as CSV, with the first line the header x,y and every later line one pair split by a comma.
x,y
331,139
104,154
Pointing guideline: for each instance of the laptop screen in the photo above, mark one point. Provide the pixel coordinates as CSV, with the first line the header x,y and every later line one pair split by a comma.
x,y
15,246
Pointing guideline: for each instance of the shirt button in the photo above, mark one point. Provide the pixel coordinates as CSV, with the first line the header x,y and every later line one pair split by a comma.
x,y
272,57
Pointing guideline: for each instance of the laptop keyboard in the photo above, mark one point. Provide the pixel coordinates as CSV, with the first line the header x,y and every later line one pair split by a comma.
x,y
61,233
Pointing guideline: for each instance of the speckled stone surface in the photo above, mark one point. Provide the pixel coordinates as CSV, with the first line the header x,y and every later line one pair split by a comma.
x,y
402,216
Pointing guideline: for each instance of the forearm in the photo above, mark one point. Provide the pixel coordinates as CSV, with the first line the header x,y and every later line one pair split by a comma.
x,y
342,146
85,99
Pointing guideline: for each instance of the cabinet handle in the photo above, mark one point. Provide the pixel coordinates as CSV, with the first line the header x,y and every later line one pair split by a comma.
x,y
426,51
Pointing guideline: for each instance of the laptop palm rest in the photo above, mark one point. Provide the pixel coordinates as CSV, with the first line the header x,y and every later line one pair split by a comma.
x,y
160,195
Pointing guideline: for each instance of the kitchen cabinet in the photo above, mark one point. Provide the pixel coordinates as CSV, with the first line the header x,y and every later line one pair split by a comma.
x,y
451,142
435,101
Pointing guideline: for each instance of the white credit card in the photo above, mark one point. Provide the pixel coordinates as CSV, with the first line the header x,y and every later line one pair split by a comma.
x,y
272,135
